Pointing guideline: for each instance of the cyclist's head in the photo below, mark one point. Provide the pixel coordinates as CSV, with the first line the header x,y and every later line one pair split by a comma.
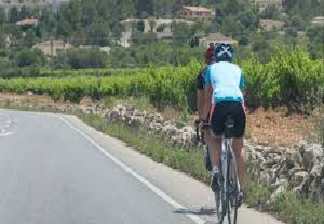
x,y
224,52
209,55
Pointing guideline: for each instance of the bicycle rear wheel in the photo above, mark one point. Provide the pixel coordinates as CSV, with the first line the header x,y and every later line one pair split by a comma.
x,y
218,201
233,189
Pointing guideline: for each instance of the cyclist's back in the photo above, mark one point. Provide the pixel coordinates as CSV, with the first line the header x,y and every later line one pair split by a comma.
x,y
227,80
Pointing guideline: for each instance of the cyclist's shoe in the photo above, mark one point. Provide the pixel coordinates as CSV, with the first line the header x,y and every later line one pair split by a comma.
x,y
207,160
215,181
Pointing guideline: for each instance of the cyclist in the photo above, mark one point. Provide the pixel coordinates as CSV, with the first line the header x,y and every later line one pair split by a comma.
x,y
210,60
210,51
224,85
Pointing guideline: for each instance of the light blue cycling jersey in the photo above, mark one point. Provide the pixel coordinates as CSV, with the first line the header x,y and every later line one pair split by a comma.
x,y
227,81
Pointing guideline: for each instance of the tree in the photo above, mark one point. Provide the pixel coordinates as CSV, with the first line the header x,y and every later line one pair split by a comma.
x,y
86,58
144,8
271,12
13,15
2,16
182,33
126,8
316,44
24,13
29,57
99,34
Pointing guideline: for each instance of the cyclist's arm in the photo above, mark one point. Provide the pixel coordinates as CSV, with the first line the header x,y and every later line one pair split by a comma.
x,y
208,102
200,95
208,93
242,87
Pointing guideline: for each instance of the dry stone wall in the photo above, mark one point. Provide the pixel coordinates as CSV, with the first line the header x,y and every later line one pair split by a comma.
x,y
300,168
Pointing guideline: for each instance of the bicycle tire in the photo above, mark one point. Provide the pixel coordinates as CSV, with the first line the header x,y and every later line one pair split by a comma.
x,y
234,183
220,195
218,202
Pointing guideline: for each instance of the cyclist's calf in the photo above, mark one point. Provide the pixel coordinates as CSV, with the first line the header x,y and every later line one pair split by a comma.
x,y
239,155
216,146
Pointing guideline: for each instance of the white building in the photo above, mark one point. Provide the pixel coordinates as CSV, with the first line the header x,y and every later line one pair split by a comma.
x,y
7,4
216,38
318,21
163,28
263,4
51,47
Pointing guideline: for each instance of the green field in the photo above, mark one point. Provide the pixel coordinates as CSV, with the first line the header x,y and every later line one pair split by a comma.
x,y
290,78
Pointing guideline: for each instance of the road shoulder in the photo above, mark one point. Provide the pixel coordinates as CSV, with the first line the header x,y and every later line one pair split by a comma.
x,y
196,197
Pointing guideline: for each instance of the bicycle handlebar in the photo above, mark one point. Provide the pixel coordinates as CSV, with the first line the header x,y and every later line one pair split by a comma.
x,y
199,127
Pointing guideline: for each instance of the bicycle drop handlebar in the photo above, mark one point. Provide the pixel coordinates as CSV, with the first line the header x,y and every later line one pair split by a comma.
x,y
199,127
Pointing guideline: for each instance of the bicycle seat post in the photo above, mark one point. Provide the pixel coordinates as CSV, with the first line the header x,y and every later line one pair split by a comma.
x,y
229,125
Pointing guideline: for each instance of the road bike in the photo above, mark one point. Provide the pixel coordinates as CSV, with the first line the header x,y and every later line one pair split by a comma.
x,y
227,196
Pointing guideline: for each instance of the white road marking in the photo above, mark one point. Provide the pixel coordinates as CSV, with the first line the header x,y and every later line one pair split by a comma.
x,y
6,124
196,219
6,134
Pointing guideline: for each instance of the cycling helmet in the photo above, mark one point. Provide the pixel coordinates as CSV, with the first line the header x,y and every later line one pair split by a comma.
x,y
224,52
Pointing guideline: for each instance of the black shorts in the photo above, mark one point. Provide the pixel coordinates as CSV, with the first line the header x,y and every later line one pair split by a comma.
x,y
236,111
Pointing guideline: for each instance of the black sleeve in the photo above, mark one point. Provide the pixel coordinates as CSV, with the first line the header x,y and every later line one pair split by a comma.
x,y
200,81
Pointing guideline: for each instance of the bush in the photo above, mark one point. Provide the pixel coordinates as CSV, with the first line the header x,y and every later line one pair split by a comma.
x,y
82,58
291,79
157,54
321,131
29,57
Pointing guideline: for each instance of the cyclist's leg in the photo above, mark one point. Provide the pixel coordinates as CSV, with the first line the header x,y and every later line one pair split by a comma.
x,y
238,133
218,127
239,155
214,144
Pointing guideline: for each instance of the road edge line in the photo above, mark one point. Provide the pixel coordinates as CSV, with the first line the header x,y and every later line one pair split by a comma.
x,y
130,171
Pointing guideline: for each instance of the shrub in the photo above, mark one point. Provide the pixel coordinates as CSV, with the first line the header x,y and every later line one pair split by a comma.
x,y
321,131
291,79
82,58
29,57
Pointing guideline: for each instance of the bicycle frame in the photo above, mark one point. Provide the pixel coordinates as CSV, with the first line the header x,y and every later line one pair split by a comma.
x,y
226,198
230,185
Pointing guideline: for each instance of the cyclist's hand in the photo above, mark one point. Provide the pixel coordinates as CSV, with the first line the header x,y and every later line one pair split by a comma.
x,y
205,125
197,123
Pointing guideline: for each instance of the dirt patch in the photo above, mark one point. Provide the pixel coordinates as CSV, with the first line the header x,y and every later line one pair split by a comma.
x,y
270,127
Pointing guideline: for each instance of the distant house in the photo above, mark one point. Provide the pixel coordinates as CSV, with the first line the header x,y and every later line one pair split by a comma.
x,y
51,47
263,4
318,21
7,4
216,38
27,22
269,24
197,12
163,28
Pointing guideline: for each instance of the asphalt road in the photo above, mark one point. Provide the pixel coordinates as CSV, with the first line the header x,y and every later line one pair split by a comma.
x,y
56,170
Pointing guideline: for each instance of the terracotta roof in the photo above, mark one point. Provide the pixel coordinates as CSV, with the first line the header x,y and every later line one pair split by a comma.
x,y
198,9
27,22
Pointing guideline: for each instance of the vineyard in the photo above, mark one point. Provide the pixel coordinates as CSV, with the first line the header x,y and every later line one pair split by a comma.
x,y
289,79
